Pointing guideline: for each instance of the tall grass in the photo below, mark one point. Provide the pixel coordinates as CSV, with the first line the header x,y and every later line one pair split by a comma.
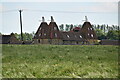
x,y
60,61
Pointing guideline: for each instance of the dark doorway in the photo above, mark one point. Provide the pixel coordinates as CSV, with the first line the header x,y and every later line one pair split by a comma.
x,y
38,41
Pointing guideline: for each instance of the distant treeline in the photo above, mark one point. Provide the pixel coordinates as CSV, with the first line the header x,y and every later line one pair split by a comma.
x,y
105,28
102,31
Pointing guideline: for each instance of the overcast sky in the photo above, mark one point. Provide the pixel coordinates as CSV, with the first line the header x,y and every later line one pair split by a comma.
x,y
97,13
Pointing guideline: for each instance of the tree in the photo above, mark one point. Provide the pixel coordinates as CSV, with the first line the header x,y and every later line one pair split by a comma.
x,y
80,25
18,36
104,28
61,27
118,27
71,27
67,27
101,27
33,33
98,26
26,36
100,34
94,26
113,35
107,28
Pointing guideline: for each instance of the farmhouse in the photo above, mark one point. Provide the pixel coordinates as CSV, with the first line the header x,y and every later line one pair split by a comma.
x,y
50,34
9,39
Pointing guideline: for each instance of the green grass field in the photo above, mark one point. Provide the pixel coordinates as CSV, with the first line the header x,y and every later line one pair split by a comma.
x,y
59,61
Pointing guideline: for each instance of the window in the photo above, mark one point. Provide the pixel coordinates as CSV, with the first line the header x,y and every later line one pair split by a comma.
x,y
44,34
40,28
91,28
55,34
88,34
68,36
88,28
55,28
75,36
40,34
80,36
91,35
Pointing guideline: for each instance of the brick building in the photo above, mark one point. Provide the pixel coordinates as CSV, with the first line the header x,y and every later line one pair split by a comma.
x,y
50,34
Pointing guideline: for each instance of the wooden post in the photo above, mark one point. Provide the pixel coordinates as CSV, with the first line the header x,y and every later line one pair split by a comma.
x,y
21,25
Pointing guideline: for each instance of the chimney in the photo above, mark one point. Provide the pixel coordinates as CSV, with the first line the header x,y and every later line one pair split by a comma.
x,y
86,20
52,20
43,19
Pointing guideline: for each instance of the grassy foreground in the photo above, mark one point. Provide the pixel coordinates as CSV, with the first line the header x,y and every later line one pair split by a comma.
x,y
59,61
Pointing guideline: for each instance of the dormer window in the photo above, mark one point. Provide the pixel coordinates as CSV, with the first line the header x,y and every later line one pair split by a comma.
x,y
91,28
91,35
55,28
68,36
39,34
44,34
55,34
75,36
80,36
